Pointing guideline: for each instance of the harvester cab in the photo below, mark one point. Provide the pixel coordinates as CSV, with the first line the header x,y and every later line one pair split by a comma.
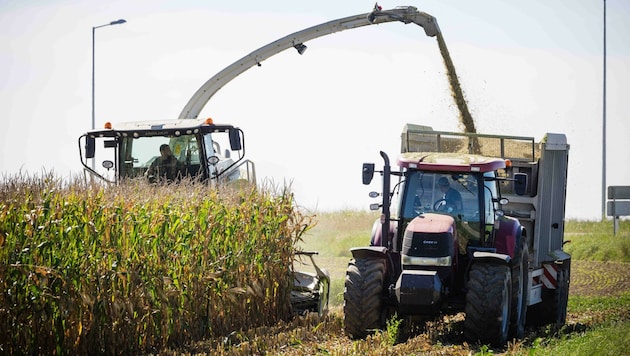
x,y
467,235
167,151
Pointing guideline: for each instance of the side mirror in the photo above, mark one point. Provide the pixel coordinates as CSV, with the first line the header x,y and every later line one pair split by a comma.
x,y
520,183
90,146
368,173
235,139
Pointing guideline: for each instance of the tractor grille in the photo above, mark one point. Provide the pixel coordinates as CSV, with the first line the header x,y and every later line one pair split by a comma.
x,y
422,244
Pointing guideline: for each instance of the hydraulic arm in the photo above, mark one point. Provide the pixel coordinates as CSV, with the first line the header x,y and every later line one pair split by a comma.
x,y
407,14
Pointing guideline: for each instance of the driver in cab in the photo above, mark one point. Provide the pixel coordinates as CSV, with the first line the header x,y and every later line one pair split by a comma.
x,y
452,199
165,168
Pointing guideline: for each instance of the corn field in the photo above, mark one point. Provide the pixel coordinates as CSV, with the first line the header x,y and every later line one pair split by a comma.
x,y
87,269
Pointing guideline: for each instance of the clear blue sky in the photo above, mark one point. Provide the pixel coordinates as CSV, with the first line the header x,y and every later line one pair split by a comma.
x,y
527,68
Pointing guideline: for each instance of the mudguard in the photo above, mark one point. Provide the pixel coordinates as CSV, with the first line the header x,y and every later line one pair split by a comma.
x,y
491,257
507,235
377,233
369,252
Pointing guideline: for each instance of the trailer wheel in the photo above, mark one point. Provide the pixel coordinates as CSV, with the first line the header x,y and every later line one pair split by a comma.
x,y
520,284
363,296
562,297
488,303
553,308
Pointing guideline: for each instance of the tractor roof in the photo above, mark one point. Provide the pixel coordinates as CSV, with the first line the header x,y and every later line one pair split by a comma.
x,y
450,162
159,128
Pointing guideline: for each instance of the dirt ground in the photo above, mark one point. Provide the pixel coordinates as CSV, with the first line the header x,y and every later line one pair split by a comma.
x,y
591,278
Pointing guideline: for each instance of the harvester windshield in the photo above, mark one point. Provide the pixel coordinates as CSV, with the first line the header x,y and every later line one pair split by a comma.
x,y
140,154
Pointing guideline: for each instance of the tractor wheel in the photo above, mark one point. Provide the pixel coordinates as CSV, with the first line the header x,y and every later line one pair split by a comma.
x,y
363,296
488,303
553,308
520,292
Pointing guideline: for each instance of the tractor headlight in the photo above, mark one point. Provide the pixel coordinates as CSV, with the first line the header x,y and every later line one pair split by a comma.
x,y
426,261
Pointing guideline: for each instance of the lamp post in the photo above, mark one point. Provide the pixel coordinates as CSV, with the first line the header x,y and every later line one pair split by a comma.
x,y
117,22
604,127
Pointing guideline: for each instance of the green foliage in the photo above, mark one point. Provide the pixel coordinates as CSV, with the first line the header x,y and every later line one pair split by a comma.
x,y
610,338
336,291
484,350
333,235
137,267
601,308
393,328
337,232
594,241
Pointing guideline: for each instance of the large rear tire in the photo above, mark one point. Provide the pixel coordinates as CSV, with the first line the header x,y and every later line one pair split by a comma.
x,y
520,292
363,302
488,303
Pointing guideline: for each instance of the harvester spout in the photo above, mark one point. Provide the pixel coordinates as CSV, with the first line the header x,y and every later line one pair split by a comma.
x,y
297,40
406,14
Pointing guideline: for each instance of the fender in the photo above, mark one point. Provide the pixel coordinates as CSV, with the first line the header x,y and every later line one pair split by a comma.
x,y
490,257
508,235
369,252
377,233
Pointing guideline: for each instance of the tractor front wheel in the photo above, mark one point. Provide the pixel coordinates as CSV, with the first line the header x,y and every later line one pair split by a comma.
x,y
488,303
363,302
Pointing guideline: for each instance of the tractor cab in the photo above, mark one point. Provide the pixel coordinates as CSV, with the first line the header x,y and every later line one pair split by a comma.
x,y
463,186
468,198
167,152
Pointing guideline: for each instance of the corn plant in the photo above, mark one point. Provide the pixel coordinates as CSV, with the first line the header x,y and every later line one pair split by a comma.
x,y
137,267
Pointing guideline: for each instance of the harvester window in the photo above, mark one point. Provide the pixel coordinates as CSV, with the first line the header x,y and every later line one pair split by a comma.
x,y
138,153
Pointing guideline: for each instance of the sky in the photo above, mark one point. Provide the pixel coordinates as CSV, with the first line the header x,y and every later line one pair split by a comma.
x,y
310,121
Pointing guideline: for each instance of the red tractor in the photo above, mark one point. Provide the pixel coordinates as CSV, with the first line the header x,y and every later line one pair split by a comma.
x,y
466,236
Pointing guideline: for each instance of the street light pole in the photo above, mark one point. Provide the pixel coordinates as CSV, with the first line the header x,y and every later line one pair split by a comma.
x,y
604,127
117,22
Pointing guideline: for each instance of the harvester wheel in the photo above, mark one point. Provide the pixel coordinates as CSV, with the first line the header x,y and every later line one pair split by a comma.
x,y
488,303
520,283
363,296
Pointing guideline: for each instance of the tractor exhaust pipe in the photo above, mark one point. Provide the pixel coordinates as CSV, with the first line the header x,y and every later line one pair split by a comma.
x,y
386,197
